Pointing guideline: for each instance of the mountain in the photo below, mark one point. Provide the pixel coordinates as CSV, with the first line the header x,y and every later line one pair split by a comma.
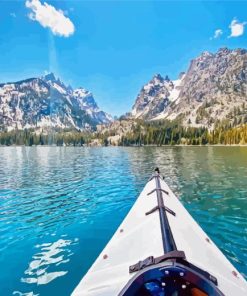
x,y
84,100
155,96
47,102
213,89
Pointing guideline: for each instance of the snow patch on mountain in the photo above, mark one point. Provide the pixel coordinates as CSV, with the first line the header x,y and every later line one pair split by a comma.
x,y
47,102
155,97
173,96
213,89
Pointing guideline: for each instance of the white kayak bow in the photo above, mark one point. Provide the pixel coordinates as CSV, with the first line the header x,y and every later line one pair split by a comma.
x,y
159,249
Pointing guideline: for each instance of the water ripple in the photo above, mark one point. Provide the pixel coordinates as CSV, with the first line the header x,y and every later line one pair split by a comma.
x,y
50,254
60,205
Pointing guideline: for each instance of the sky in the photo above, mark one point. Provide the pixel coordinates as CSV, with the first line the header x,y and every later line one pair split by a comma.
x,y
113,48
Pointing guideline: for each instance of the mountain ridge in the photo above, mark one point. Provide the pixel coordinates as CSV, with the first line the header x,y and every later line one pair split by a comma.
x,y
213,85
46,102
213,89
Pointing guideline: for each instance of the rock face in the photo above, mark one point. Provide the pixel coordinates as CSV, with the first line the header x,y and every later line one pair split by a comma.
x,y
46,102
213,89
84,100
155,97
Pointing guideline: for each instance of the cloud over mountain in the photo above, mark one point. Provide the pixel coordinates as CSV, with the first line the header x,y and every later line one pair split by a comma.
x,y
49,17
237,28
217,34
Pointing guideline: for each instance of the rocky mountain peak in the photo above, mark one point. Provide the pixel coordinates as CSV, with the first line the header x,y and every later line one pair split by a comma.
x,y
85,98
206,54
224,50
153,97
213,88
56,83
46,102
202,59
157,77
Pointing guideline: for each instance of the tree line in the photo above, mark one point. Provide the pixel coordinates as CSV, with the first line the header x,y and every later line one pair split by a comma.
x,y
29,137
172,133
143,133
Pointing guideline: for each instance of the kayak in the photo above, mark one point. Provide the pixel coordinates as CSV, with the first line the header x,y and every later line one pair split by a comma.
x,y
159,249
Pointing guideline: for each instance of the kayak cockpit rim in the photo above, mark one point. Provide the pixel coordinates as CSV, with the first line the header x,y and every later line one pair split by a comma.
x,y
171,277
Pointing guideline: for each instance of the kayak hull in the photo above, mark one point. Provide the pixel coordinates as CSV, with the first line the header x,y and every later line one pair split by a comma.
x,y
139,236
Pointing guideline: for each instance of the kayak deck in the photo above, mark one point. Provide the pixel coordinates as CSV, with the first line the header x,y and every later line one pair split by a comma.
x,y
139,236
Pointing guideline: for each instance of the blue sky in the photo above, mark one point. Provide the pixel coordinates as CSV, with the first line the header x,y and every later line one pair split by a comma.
x,y
113,47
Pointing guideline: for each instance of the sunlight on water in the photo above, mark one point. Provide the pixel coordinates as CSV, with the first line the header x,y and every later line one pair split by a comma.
x,y
50,254
60,206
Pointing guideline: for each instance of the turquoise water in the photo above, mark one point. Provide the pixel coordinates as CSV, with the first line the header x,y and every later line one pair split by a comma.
x,y
59,206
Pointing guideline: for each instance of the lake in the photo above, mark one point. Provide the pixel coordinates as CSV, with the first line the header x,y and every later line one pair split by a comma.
x,y
60,205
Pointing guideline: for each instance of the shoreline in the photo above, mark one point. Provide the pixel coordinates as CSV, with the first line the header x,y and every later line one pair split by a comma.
x,y
133,146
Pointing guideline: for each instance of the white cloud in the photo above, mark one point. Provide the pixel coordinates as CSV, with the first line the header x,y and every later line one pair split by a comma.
x,y
217,34
237,28
49,17
12,14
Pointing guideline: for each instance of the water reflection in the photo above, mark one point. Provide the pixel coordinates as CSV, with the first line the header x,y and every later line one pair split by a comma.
x,y
50,254
18,293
